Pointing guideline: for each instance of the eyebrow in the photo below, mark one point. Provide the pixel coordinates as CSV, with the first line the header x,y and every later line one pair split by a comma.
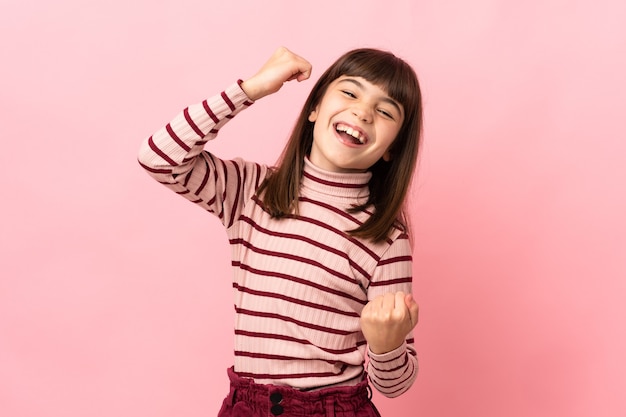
x,y
385,98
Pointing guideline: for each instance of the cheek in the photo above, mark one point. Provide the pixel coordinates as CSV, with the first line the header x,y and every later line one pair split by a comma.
x,y
390,136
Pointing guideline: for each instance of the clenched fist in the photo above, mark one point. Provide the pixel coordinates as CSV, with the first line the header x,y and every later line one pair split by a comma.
x,y
282,66
387,319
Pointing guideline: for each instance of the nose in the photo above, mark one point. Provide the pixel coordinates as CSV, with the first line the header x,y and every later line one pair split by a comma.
x,y
362,113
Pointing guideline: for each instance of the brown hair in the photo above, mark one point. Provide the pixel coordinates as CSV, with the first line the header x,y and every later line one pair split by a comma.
x,y
390,181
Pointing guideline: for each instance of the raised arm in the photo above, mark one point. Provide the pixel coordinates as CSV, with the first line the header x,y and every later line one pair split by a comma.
x,y
174,155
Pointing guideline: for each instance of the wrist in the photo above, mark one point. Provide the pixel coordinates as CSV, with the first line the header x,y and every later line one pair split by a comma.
x,y
382,344
251,89
386,353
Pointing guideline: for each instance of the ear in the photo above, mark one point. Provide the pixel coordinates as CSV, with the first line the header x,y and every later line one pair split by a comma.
x,y
387,156
313,115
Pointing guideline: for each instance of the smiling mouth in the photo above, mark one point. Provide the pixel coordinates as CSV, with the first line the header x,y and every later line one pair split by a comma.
x,y
350,134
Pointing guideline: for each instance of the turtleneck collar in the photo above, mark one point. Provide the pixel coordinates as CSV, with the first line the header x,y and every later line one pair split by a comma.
x,y
351,186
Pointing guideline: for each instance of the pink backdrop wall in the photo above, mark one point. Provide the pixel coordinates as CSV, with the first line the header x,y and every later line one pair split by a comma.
x,y
520,260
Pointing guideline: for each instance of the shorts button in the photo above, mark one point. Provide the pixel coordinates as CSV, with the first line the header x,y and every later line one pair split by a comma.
x,y
276,398
277,409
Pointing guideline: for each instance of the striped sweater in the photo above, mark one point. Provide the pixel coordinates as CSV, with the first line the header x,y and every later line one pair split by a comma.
x,y
301,282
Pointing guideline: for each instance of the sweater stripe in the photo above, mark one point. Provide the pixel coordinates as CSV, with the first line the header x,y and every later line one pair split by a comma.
x,y
176,139
332,208
259,272
291,257
286,338
210,113
294,375
227,101
288,319
274,357
406,258
267,294
237,194
161,153
257,182
193,125
205,177
153,170
405,280
332,183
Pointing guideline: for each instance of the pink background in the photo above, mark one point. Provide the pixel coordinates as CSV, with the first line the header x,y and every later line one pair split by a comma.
x,y
115,295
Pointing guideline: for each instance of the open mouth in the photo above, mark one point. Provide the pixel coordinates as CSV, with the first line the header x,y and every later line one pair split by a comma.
x,y
351,134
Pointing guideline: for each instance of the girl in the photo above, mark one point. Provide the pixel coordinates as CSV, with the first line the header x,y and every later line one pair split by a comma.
x,y
320,249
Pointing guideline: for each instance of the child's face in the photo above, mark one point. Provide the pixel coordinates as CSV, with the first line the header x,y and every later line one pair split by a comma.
x,y
355,124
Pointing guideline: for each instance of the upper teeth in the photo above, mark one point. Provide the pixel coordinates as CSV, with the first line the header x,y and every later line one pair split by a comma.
x,y
354,133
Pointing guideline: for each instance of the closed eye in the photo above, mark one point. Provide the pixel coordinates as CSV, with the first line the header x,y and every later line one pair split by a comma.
x,y
348,93
386,114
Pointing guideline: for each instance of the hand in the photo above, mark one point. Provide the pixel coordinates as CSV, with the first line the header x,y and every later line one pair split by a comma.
x,y
387,319
282,66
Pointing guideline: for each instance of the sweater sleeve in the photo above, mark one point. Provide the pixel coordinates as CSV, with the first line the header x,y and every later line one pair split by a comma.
x,y
175,156
394,372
